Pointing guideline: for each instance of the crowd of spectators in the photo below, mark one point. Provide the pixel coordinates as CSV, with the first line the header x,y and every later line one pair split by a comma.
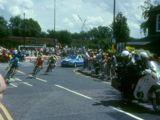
x,y
6,54
96,61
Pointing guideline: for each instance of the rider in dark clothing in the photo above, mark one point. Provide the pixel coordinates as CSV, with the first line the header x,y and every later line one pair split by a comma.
x,y
51,63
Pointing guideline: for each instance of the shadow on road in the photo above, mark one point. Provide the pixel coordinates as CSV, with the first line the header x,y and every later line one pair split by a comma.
x,y
133,107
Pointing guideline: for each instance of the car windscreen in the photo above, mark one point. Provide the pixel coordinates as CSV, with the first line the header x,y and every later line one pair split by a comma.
x,y
72,57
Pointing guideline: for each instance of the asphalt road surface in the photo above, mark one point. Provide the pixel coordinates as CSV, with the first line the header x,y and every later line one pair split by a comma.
x,y
65,94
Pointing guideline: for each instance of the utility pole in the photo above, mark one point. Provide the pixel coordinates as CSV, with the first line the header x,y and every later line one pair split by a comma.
x,y
24,42
114,43
54,15
54,30
114,14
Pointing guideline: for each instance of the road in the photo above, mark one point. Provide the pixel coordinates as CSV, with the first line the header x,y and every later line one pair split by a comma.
x,y
67,95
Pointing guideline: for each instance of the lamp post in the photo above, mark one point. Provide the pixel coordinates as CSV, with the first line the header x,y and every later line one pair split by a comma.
x,y
24,42
114,13
54,30
54,15
114,43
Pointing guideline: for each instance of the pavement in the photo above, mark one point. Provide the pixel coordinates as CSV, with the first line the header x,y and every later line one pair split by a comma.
x,y
90,73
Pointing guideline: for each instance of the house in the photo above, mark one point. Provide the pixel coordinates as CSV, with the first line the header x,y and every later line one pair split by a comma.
x,y
153,23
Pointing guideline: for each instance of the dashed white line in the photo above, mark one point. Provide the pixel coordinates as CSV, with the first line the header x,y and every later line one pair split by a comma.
x,y
13,85
74,92
21,72
41,79
17,79
27,84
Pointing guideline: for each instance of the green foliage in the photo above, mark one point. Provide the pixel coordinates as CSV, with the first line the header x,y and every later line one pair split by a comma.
x,y
3,27
15,25
64,37
121,29
21,27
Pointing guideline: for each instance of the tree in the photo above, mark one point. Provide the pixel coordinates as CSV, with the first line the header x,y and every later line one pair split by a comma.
x,y
3,27
30,28
15,25
121,29
24,27
64,37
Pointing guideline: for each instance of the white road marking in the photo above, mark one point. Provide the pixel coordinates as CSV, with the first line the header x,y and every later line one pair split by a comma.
x,y
27,84
1,117
129,114
41,79
74,92
87,97
17,79
13,85
21,72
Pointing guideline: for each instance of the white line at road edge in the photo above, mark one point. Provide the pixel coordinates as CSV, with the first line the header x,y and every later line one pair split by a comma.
x,y
74,92
129,114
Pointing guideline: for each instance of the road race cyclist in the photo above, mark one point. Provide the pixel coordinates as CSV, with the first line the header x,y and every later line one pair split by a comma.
x,y
12,68
51,63
38,65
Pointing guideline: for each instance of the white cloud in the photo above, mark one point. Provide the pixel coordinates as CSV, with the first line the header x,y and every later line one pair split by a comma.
x,y
69,12
2,2
15,10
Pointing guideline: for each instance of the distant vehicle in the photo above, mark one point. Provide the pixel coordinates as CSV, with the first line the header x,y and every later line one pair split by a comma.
x,y
72,61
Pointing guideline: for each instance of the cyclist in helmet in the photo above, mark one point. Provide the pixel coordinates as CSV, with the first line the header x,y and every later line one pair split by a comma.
x,y
51,63
13,66
38,65
144,58
126,57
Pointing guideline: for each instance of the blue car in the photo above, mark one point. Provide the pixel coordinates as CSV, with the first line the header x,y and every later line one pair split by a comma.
x,y
72,61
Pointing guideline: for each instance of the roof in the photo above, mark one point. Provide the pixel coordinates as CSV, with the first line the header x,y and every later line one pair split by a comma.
x,y
137,43
155,9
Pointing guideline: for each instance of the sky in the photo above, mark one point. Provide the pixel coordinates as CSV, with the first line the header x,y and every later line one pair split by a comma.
x,y
75,15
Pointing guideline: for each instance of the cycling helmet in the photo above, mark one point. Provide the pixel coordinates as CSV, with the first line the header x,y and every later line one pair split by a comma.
x,y
144,55
125,53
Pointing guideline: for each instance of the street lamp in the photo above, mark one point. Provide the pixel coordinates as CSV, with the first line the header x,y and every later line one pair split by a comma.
x,y
54,30
24,42
114,43
54,15
114,13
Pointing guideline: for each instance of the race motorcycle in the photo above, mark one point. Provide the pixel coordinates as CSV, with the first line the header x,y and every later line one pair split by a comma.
x,y
146,89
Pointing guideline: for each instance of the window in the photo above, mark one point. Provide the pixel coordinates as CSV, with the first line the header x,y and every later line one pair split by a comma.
x,y
158,23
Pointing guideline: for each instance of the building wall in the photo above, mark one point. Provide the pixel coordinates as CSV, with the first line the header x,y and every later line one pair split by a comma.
x,y
152,23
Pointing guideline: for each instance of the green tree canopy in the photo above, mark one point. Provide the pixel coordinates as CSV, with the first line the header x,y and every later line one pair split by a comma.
x,y
15,25
121,29
31,28
3,27
64,37
21,27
